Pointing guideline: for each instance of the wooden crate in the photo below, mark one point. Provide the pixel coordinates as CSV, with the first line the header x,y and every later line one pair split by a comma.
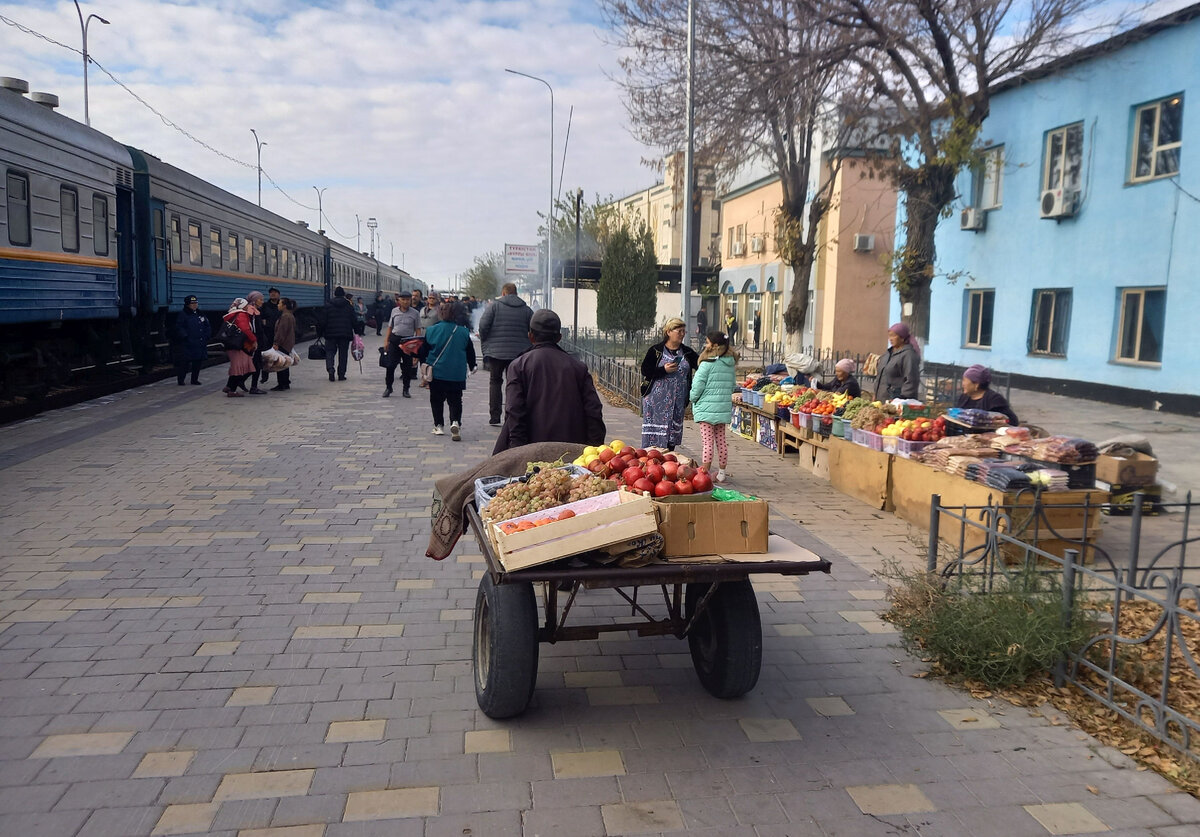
x,y
862,473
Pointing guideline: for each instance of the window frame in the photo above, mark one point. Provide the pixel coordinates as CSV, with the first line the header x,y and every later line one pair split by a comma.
x,y
982,294
216,255
11,176
1125,294
195,243
248,253
235,253
1155,147
260,256
176,239
63,192
1059,297
989,170
273,260
100,230
1047,156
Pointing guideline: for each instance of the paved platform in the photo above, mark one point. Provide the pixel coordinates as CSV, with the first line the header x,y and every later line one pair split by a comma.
x,y
216,617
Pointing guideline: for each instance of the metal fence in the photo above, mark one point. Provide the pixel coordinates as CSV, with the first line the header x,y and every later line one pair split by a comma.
x,y
1169,651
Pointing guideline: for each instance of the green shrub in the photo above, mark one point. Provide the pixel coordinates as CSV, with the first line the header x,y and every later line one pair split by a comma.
x,y
998,637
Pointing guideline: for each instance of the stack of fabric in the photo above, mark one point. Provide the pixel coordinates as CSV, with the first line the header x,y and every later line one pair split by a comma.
x,y
941,453
997,475
969,417
1062,449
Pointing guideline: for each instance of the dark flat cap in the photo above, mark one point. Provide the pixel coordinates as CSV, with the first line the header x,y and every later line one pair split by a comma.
x,y
545,321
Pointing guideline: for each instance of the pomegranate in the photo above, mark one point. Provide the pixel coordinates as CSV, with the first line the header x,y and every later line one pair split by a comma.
x,y
664,489
655,472
670,469
606,454
684,486
702,481
632,474
670,457
643,485
686,472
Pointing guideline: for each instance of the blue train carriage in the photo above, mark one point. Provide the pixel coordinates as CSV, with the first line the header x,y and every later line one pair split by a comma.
x,y
200,239
357,273
65,211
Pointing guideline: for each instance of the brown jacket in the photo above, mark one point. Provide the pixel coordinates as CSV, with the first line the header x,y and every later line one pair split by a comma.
x,y
285,332
550,397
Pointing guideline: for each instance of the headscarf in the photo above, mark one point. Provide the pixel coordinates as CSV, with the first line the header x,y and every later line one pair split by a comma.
x,y
846,365
239,304
900,330
253,295
978,374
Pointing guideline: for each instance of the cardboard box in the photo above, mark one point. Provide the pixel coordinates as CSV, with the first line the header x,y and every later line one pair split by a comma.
x,y
708,527
1137,469
779,548
599,521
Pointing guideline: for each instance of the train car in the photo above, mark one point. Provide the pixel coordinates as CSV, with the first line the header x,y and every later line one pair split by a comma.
x,y
65,215
205,241
358,273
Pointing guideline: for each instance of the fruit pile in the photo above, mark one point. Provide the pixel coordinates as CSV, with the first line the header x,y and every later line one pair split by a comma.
x,y
545,489
913,430
651,471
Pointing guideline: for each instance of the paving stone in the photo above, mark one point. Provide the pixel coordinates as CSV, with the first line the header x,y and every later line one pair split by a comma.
x,y
967,719
487,741
185,819
587,764
164,764
391,804
311,830
82,744
343,731
642,817
1066,818
264,785
889,799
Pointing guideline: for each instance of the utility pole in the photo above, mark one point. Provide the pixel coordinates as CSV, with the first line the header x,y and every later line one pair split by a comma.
x,y
320,211
260,144
575,325
83,25
358,235
372,225
689,175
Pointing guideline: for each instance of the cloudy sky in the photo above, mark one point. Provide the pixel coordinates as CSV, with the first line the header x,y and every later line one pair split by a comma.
x,y
402,108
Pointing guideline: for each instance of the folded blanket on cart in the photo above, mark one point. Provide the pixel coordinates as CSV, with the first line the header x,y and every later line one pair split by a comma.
x,y
451,494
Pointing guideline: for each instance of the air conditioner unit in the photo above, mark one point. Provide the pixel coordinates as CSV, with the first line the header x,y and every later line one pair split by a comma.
x,y
973,219
1059,203
739,248
756,245
863,243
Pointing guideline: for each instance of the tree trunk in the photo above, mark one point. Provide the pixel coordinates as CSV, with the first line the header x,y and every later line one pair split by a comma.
x,y
928,191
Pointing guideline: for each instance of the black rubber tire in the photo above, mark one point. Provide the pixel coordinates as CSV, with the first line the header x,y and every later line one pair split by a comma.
x,y
726,640
504,653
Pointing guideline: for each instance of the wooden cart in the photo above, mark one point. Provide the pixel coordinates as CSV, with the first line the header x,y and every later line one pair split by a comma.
x,y
711,604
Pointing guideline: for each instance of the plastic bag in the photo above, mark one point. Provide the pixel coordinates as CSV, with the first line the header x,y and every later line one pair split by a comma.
x,y
295,357
274,360
357,349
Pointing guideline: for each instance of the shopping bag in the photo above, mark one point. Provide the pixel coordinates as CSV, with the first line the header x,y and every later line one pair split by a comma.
x,y
357,349
274,360
316,350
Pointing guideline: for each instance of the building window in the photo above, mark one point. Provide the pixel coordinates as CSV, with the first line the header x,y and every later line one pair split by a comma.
x,y
262,258
988,177
195,254
1140,333
1049,322
176,240
1157,137
17,191
980,304
248,254
1064,158
234,253
68,211
100,224
214,247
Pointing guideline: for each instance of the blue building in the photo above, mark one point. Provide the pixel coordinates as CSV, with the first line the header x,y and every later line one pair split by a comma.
x,y
1076,243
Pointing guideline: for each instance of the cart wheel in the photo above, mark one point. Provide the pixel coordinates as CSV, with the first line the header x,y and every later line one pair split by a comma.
x,y
726,639
505,650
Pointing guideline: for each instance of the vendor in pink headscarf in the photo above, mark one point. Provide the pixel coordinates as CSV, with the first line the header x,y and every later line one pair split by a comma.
x,y
900,368
978,395
843,379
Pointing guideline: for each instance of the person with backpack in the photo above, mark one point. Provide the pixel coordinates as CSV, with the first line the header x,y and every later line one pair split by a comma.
x,y
337,327
712,407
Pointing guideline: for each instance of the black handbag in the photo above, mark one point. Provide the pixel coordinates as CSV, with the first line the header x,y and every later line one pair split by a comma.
x,y
231,337
316,350
383,358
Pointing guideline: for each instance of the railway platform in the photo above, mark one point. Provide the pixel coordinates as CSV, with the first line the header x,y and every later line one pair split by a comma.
x,y
216,617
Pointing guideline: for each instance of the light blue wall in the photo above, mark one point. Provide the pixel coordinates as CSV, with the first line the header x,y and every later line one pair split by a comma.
x,y
1121,236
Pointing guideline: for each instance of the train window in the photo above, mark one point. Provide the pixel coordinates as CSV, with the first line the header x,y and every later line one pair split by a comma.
x,y
68,212
195,255
296,266
273,263
248,253
262,257
234,253
283,262
176,240
304,265
18,208
100,224
160,234
214,247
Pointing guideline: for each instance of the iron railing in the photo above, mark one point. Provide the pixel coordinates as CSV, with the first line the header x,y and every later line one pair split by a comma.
x,y
1007,538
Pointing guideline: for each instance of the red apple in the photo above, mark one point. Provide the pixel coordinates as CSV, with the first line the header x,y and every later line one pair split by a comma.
x,y
664,489
606,454
643,485
684,486
655,472
702,481
670,469
632,474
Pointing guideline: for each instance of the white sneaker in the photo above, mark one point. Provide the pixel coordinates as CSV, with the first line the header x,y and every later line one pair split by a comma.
x,y
454,431
437,430
721,475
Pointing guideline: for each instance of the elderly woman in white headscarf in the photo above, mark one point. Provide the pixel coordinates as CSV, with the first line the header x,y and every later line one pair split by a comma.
x,y
241,361
843,379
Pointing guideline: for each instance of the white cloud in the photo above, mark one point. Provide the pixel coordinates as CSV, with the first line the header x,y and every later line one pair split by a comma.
x,y
402,107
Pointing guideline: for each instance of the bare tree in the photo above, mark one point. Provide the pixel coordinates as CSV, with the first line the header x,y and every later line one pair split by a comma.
x,y
934,62
769,80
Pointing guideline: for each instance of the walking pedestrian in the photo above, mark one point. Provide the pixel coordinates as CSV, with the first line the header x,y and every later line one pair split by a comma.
x,y
285,341
549,396
258,323
667,371
701,323
449,352
711,404
504,335
192,331
404,323
731,324
271,310
383,311
337,327
241,361
755,325
429,318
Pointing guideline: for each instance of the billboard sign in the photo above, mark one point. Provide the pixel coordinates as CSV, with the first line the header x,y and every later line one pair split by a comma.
x,y
521,258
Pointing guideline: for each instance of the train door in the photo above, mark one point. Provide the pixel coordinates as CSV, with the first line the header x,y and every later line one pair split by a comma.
x,y
160,265
126,264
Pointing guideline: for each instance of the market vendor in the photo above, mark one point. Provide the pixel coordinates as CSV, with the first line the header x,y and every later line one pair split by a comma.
x,y
900,368
843,379
978,395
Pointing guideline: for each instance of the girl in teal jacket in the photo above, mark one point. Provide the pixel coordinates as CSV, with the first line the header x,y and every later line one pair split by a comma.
x,y
712,407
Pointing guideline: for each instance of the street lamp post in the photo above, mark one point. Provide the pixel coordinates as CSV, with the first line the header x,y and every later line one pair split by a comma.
x,y
320,211
260,144
358,234
83,25
550,216
372,225
575,324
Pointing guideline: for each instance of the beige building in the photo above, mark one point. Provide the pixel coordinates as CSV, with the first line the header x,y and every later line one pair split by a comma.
x,y
661,207
849,291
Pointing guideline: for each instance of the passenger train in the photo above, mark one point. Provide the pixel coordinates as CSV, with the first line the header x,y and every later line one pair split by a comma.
x,y
100,242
